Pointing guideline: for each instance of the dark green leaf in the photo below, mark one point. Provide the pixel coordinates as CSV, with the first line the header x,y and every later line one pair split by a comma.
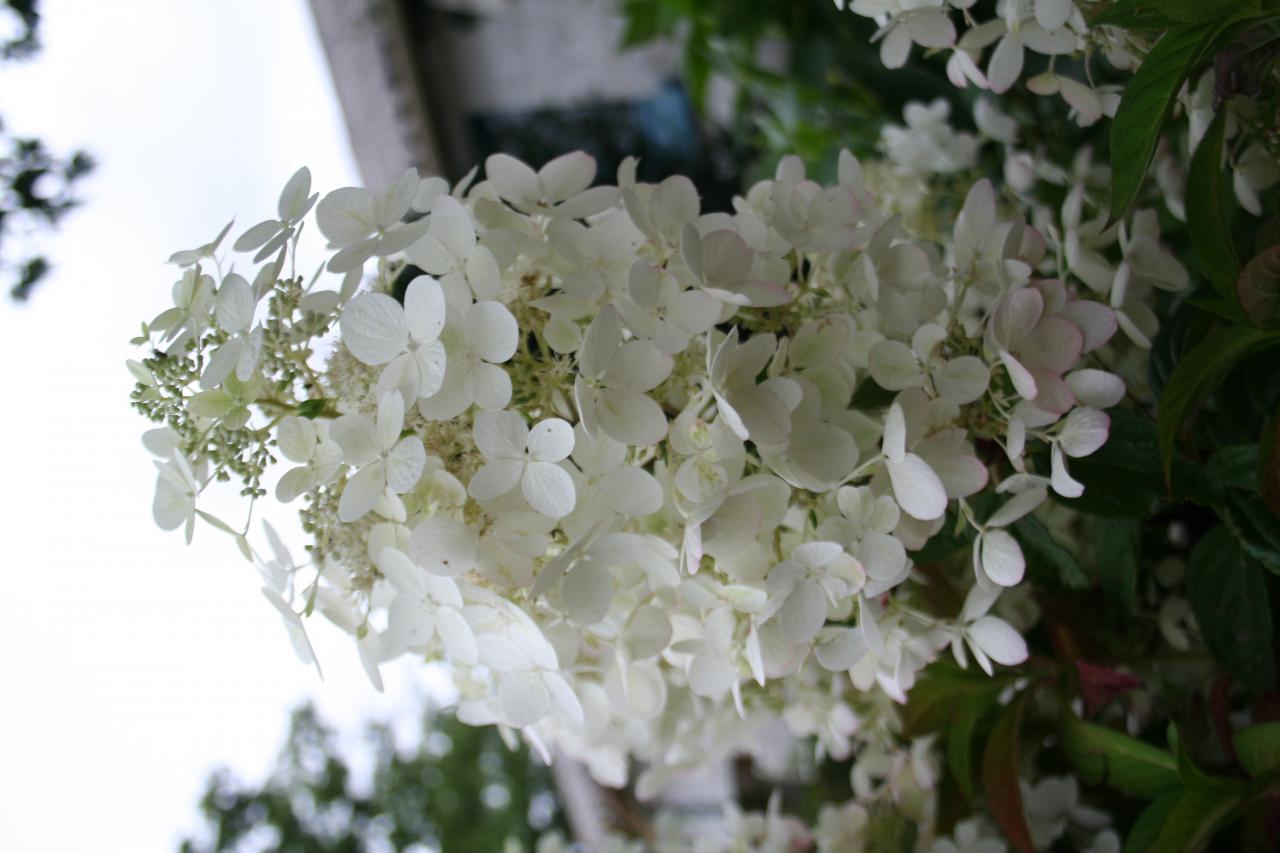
x,y
1194,818
1115,545
1269,465
1146,103
1133,15
1046,559
1103,756
1228,595
1000,768
945,693
1237,466
960,750
1214,251
1197,375
1146,829
1258,287
1200,11
1253,525
1258,747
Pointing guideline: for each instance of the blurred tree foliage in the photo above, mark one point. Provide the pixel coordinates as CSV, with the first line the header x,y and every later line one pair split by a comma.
x,y
36,186
462,789
809,81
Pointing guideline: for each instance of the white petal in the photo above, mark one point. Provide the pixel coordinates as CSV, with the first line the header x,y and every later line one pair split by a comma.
x,y
894,366
513,180
500,435
1000,642
932,28
1061,480
602,339
1016,507
1096,388
495,479
456,635
374,329
235,303
390,419
563,698
452,226
1001,558
632,491
445,546
491,331
804,612
296,198
548,488
894,443
357,437
963,380
1023,382
424,309
648,632
588,593
550,440
345,215
363,490
567,175
524,697
1084,431
917,488
1005,65
490,386
630,417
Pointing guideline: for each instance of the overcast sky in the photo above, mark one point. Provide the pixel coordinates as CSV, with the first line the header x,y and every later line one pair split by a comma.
x,y
132,664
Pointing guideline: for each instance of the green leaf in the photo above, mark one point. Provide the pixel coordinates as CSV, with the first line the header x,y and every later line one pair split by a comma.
x,y
1258,747
1115,545
1211,242
1194,818
1236,466
1000,776
1146,829
1103,756
1253,525
1258,286
1133,15
1199,372
960,750
1045,557
1145,105
1228,595
945,693
1269,465
312,409
1199,11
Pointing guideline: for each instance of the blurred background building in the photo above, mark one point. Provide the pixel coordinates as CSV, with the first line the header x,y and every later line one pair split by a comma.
x,y
441,84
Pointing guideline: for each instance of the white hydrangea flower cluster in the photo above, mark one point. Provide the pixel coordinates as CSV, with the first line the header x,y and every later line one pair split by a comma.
x,y
651,477
991,54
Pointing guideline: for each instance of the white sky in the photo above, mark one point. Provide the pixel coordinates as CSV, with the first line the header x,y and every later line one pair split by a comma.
x,y
131,664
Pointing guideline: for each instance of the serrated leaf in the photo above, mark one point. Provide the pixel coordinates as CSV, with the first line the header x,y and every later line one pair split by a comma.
x,y
1102,756
1145,105
1258,747
1258,287
1000,776
1197,374
1228,595
1211,243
